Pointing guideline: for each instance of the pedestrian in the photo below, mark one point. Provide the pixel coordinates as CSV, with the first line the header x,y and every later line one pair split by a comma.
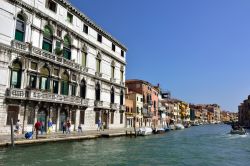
x,y
64,126
79,128
68,127
41,127
18,127
103,125
37,128
99,125
50,126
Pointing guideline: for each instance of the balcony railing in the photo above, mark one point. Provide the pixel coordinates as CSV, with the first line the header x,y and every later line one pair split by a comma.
x,y
98,103
20,45
38,95
147,114
113,106
97,74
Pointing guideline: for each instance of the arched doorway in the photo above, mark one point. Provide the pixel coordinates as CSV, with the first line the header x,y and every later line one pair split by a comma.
x,y
42,117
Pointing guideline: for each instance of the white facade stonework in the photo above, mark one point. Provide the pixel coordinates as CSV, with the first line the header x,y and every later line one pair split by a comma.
x,y
51,67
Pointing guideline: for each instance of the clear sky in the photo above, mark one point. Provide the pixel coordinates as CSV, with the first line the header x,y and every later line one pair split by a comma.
x,y
197,49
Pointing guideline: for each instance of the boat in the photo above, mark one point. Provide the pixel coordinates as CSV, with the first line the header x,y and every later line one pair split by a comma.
x,y
187,125
240,131
172,127
145,131
159,131
179,126
166,128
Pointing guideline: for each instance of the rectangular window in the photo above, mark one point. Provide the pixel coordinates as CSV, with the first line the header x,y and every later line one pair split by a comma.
x,y
122,53
47,45
44,83
84,59
99,38
20,29
112,118
98,65
69,17
12,112
51,5
55,86
73,90
64,88
82,117
33,65
121,118
112,72
113,47
121,76
32,83
97,116
85,29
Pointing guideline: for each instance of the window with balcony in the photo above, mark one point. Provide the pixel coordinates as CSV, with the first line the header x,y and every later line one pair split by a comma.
x,y
65,84
85,29
112,95
113,47
121,98
99,38
32,82
97,92
83,89
47,39
51,5
16,75
69,18
20,28
84,59
67,48
44,79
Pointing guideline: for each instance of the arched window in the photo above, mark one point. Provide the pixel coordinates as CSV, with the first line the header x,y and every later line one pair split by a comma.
x,y
20,28
16,75
97,92
67,48
65,84
121,98
47,39
44,79
83,89
112,95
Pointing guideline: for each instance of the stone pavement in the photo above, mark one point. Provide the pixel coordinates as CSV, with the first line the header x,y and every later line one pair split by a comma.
x,y
5,140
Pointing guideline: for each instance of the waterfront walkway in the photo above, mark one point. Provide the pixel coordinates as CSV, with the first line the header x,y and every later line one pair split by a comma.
x,y
5,140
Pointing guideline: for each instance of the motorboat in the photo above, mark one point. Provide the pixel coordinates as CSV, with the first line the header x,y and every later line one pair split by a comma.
x,y
145,131
240,131
159,131
179,126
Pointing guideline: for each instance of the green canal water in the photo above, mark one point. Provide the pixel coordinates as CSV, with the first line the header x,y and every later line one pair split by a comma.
x,y
206,145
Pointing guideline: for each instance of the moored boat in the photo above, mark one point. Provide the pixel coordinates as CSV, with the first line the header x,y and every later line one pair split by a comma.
x,y
179,126
145,131
159,131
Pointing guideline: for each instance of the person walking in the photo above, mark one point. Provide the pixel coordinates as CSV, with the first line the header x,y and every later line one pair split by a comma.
x,y
50,126
37,128
99,125
64,127
68,127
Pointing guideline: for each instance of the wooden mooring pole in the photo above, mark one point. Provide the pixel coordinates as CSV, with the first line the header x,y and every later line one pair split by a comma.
x,y
12,134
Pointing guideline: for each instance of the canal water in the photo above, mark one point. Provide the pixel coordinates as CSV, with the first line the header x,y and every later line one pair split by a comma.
x,y
206,145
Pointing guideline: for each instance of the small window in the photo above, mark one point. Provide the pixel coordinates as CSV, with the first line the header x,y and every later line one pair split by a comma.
x,y
69,17
85,29
33,66
122,53
113,47
99,38
74,77
59,33
51,5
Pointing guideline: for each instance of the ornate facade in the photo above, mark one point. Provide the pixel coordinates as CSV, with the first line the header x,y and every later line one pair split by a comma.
x,y
57,64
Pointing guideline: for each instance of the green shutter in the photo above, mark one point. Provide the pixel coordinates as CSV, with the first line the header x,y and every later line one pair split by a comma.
x,y
19,36
47,46
65,88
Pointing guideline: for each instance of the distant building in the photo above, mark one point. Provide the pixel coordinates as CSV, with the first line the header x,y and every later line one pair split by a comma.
x,y
244,112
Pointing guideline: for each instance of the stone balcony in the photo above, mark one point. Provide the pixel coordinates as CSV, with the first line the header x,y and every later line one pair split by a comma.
x,y
113,106
98,104
97,74
38,95
37,52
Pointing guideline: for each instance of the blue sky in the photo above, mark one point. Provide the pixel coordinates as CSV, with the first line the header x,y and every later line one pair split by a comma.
x,y
197,49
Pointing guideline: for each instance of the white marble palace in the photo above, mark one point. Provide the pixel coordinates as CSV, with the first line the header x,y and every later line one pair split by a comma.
x,y
55,63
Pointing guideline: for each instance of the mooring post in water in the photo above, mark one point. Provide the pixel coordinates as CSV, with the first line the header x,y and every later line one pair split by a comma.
x,y
12,133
